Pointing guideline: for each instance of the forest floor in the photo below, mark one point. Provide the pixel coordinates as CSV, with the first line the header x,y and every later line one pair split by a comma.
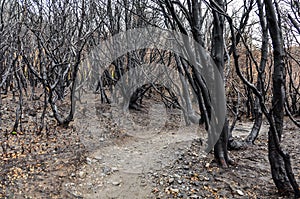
x,y
98,158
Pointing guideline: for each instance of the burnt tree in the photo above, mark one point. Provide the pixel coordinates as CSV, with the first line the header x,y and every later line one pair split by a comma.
x,y
279,160
220,149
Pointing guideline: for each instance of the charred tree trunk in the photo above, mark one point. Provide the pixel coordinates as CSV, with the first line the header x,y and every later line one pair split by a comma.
x,y
280,162
260,79
293,89
249,102
276,161
220,149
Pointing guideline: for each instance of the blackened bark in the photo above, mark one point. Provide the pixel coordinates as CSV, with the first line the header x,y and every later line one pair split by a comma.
x,y
235,111
276,161
281,168
196,21
261,75
250,101
220,149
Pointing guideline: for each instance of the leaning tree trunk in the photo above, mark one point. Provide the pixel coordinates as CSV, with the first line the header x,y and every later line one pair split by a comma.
x,y
280,162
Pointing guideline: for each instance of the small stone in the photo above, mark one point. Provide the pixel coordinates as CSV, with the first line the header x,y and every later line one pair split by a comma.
x,y
89,160
215,189
106,170
116,183
171,180
186,167
113,169
177,176
206,178
81,174
70,184
240,192
98,157
174,190
179,181
218,179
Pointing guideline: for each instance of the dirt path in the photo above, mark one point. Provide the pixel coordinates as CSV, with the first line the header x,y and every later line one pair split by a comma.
x,y
119,170
142,162
125,168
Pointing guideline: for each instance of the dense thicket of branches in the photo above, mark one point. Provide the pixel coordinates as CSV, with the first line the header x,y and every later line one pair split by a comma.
x,y
45,48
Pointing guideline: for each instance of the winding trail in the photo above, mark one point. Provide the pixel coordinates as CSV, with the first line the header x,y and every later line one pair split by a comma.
x,y
120,170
